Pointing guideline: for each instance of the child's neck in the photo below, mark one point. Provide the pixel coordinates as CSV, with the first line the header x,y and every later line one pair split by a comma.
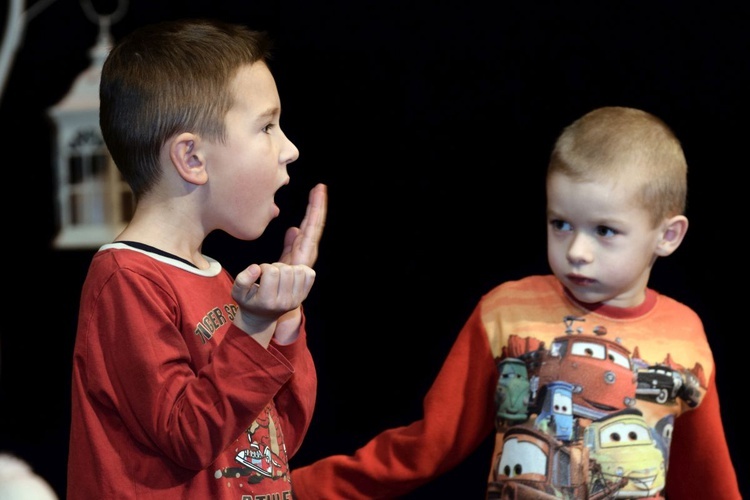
x,y
612,311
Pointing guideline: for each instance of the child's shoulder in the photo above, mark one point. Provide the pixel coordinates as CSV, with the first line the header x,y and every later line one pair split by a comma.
x,y
117,257
537,283
526,290
669,305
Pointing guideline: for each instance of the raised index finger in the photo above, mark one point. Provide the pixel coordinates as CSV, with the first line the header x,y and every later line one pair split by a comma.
x,y
303,247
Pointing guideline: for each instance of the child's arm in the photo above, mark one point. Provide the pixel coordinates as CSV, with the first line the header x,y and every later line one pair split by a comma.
x,y
700,465
457,417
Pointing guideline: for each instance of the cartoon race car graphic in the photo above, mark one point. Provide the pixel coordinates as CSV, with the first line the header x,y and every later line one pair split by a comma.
x,y
623,446
664,384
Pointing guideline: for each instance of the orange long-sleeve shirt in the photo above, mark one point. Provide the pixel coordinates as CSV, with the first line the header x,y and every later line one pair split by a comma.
x,y
584,402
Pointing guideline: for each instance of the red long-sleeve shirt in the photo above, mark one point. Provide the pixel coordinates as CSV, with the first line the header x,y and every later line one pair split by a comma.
x,y
169,399
574,397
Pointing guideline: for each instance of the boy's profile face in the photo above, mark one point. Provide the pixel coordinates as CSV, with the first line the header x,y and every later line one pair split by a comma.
x,y
246,170
601,243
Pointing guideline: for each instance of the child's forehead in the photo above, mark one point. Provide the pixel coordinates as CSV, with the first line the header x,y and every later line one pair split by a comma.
x,y
250,74
612,192
254,87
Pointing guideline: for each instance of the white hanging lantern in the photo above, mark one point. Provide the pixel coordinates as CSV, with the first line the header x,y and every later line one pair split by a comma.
x,y
93,202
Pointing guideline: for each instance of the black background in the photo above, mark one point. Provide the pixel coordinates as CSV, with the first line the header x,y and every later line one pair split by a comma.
x,y
431,122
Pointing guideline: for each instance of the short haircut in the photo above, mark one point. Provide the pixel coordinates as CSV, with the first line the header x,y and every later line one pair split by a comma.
x,y
168,78
618,141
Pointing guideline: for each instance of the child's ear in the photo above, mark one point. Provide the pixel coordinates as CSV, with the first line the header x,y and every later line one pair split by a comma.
x,y
673,233
187,157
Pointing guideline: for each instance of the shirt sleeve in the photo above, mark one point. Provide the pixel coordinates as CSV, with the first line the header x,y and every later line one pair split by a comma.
x,y
296,399
456,418
700,465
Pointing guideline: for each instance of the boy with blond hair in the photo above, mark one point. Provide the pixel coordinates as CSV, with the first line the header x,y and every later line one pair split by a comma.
x,y
595,385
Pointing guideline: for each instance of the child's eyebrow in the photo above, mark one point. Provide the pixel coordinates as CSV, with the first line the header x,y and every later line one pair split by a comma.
x,y
270,112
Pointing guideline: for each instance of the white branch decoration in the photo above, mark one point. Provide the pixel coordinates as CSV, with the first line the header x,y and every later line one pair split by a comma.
x,y
14,28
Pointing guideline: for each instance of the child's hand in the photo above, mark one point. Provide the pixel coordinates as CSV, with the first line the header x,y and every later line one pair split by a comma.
x,y
301,244
281,289
259,317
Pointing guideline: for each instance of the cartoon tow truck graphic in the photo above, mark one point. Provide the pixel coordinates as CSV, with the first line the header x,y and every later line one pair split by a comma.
x,y
617,457
536,466
600,370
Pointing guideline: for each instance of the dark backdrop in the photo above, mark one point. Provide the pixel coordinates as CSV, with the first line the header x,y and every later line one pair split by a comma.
x,y
431,122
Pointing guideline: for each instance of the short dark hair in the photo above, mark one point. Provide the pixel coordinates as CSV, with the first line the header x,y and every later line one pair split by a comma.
x,y
167,78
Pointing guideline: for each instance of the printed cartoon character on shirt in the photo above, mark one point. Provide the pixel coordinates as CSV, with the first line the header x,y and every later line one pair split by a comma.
x,y
598,419
264,455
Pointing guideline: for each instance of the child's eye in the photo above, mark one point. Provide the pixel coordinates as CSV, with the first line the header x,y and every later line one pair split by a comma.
x,y
559,225
267,128
605,231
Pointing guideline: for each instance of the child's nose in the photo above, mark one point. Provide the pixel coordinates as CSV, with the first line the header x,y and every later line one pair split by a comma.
x,y
579,250
289,152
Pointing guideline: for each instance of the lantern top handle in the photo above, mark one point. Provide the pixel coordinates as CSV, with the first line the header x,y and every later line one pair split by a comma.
x,y
104,20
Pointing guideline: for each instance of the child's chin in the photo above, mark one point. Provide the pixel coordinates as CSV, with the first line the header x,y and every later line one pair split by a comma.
x,y
585,294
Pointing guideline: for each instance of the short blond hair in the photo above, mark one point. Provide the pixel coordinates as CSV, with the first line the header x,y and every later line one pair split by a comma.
x,y
619,141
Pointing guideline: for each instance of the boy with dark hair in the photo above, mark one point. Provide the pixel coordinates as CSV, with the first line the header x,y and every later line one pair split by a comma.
x,y
188,383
